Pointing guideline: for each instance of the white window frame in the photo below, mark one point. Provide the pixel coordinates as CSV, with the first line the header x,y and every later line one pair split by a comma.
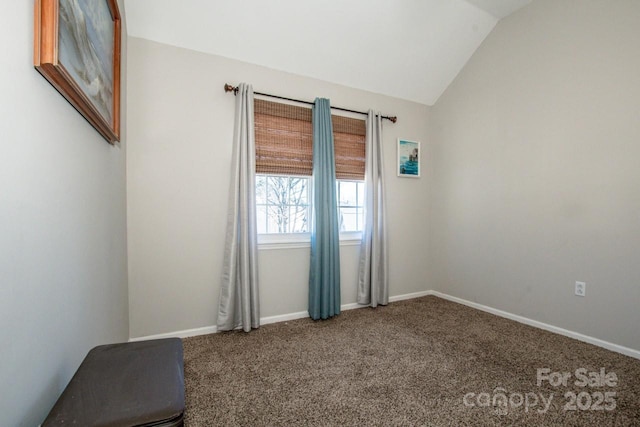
x,y
268,241
302,240
356,206
309,200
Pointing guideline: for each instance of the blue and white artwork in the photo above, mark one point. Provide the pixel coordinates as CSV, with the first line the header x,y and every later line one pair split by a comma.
x,y
408,158
85,49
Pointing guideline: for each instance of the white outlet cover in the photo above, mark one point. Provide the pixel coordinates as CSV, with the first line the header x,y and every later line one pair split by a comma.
x,y
581,289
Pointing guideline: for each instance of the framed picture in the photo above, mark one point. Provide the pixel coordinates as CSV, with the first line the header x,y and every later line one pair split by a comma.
x,y
408,158
77,49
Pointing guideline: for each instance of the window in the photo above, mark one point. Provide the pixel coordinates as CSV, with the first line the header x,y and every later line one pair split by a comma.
x,y
351,205
283,205
284,164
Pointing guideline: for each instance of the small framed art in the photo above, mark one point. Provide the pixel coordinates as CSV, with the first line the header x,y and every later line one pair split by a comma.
x,y
408,158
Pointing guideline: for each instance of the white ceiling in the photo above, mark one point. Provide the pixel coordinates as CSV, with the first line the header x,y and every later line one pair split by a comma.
x,y
409,49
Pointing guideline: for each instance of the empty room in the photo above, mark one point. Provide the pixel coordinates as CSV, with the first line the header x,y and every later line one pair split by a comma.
x,y
335,213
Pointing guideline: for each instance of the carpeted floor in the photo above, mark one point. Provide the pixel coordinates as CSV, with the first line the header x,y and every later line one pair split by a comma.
x,y
409,363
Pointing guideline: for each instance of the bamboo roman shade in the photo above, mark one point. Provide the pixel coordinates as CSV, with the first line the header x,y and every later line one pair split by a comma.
x,y
284,143
349,140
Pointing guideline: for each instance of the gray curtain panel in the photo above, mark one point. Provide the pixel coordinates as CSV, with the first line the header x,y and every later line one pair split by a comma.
x,y
239,302
373,272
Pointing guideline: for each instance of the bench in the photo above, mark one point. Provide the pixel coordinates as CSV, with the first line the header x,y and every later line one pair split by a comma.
x,y
121,385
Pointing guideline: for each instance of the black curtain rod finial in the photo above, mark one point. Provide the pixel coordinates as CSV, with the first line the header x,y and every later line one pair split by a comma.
x,y
229,88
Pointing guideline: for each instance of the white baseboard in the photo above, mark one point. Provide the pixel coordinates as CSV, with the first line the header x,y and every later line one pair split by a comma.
x,y
283,317
521,319
410,296
179,334
540,325
343,307
267,320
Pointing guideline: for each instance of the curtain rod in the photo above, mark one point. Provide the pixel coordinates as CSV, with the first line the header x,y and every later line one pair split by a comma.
x,y
234,89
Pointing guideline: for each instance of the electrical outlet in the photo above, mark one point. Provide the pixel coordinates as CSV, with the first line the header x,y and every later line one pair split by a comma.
x,y
581,289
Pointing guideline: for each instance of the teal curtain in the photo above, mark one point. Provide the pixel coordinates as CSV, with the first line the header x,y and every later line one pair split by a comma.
x,y
324,273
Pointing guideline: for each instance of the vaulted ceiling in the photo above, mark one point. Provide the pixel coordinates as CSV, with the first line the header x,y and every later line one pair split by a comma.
x,y
409,49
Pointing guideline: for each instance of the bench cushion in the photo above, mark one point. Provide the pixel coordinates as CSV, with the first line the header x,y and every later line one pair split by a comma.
x,y
129,384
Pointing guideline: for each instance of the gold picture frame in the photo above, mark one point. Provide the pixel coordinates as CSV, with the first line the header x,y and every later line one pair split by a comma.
x,y
77,48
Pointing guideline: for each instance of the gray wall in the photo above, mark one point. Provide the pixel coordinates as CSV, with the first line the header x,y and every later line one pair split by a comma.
x,y
535,171
63,273
179,151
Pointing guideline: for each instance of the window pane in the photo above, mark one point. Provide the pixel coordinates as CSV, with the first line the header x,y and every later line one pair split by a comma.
x,y
278,193
348,196
298,219
261,190
261,219
298,191
361,194
348,219
278,219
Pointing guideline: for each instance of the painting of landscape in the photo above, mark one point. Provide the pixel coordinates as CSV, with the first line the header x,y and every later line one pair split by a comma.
x,y
86,46
408,158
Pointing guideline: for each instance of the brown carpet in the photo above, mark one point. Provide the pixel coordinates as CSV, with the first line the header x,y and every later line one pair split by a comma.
x,y
409,363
